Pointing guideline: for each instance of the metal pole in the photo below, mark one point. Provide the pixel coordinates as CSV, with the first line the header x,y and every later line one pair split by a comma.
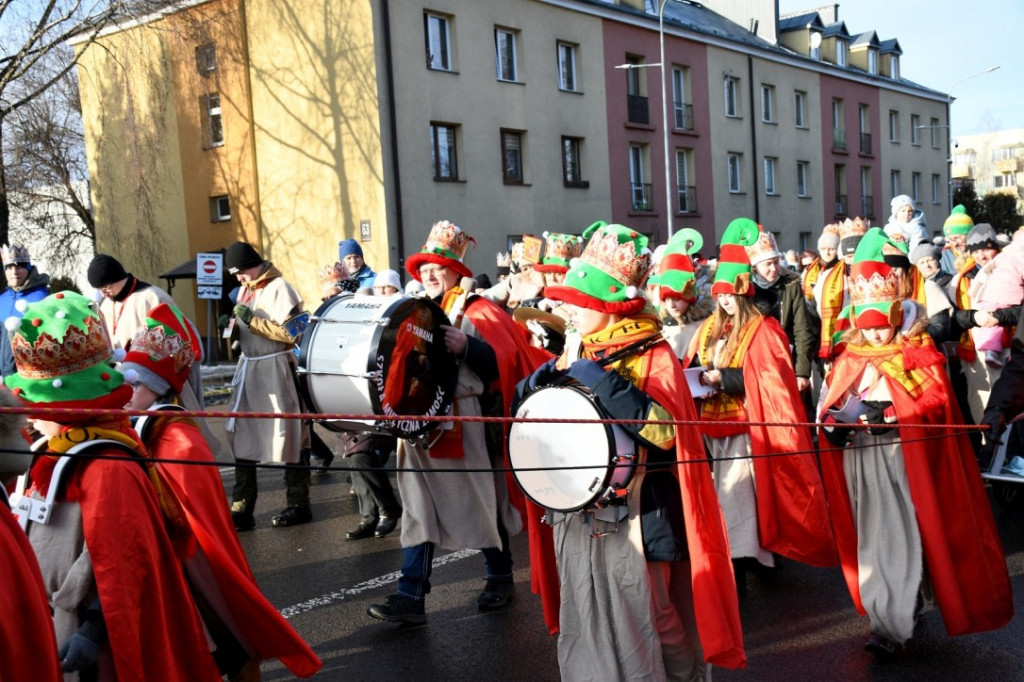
x,y
664,119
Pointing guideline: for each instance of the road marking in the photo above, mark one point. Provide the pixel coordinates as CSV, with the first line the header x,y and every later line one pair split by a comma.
x,y
372,584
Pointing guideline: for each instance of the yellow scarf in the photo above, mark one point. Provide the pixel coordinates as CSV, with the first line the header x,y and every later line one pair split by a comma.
x,y
722,407
635,367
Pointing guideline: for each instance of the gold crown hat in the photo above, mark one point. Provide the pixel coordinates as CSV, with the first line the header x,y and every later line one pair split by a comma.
x,y
609,275
765,248
874,285
560,248
63,355
446,246
164,349
850,234
14,254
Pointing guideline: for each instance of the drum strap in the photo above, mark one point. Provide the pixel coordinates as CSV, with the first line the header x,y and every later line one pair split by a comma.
x,y
238,383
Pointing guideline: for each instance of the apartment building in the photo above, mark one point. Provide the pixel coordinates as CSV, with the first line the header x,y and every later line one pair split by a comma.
x,y
992,162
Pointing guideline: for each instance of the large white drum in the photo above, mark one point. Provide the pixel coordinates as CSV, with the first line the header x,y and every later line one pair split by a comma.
x,y
566,467
377,355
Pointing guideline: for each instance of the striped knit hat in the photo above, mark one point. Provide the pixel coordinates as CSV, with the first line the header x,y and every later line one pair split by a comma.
x,y
958,222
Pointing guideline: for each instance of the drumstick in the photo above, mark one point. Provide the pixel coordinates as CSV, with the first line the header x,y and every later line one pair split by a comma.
x,y
632,349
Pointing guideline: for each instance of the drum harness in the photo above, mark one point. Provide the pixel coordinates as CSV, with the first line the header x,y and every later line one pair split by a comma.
x,y
610,511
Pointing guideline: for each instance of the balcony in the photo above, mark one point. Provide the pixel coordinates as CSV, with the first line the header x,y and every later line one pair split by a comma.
x,y
838,140
1008,165
638,110
961,170
687,198
865,143
640,196
841,205
683,116
867,206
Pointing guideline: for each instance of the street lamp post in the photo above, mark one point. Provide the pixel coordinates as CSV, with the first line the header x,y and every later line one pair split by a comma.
x,y
664,111
949,128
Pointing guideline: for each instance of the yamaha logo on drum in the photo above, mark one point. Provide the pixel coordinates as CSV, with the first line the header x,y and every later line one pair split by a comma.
x,y
420,332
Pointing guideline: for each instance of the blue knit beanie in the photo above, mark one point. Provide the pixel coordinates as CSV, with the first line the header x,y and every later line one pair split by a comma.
x,y
349,247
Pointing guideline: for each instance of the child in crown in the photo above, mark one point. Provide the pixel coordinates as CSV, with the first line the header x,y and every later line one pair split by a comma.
x,y
911,518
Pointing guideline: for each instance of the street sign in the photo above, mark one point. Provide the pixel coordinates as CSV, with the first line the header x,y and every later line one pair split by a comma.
x,y
210,292
209,270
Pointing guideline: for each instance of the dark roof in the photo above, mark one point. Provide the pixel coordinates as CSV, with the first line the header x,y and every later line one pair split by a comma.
x,y
836,30
865,39
801,21
891,45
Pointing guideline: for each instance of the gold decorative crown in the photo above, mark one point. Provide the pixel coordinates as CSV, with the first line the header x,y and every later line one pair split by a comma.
x,y
880,285
158,345
15,253
50,357
447,239
563,246
621,261
852,228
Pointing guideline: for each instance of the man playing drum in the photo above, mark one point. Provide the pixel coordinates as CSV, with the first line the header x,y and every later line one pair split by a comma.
x,y
647,590
470,509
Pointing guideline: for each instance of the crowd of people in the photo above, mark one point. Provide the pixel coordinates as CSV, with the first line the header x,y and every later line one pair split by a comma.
x,y
718,370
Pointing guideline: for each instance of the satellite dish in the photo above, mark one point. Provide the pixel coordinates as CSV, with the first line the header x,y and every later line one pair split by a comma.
x,y
815,41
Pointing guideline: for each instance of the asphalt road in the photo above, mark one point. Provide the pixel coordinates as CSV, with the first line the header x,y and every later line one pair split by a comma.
x,y
798,622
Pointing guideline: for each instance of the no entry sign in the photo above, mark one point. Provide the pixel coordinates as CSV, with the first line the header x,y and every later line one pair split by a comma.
x,y
209,269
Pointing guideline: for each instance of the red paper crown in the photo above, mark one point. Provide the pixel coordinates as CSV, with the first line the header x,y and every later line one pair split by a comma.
x,y
49,357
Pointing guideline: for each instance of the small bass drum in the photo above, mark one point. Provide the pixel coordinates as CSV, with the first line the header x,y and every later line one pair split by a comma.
x,y
599,457
377,355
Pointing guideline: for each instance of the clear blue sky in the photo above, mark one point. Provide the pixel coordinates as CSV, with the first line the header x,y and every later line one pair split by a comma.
x,y
944,41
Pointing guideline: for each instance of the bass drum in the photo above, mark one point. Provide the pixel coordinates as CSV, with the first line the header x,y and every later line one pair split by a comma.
x,y
377,355
566,467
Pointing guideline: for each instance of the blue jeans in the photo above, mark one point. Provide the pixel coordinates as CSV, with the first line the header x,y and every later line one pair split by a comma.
x,y
417,563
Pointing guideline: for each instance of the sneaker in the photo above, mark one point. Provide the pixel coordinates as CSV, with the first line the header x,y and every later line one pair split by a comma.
x,y
498,594
293,516
398,609
243,521
880,646
993,359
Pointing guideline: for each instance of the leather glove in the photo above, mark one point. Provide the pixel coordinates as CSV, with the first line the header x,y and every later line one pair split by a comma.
x,y
243,313
995,420
82,649
835,433
881,413
587,372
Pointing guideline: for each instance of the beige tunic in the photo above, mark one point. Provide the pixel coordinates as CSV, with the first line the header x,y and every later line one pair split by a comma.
x,y
456,510
124,318
264,380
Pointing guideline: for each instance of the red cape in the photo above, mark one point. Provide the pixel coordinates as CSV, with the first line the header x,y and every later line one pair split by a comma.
x,y
792,514
714,588
153,626
962,550
26,628
201,493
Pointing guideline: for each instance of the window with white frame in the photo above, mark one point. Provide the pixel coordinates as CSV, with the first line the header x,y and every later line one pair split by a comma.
x,y
768,103
572,162
567,67
1004,180
686,192
934,129
894,66
915,127
640,190
443,151
800,106
872,61
505,54
437,31
213,124
841,52
681,108
735,166
770,166
936,179
220,209
512,157
732,94
915,187
894,126
803,171
894,183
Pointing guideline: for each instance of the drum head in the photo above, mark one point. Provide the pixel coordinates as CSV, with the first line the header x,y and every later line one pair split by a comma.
x,y
591,447
414,374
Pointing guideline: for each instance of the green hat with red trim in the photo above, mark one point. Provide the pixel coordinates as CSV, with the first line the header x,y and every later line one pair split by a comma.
x,y
733,274
559,250
63,355
609,275
446,246
874,285
163,352
958,222
675,272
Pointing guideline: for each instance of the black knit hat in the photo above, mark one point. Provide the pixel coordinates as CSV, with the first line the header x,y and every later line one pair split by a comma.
x,y
241,256
104,270
982,236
